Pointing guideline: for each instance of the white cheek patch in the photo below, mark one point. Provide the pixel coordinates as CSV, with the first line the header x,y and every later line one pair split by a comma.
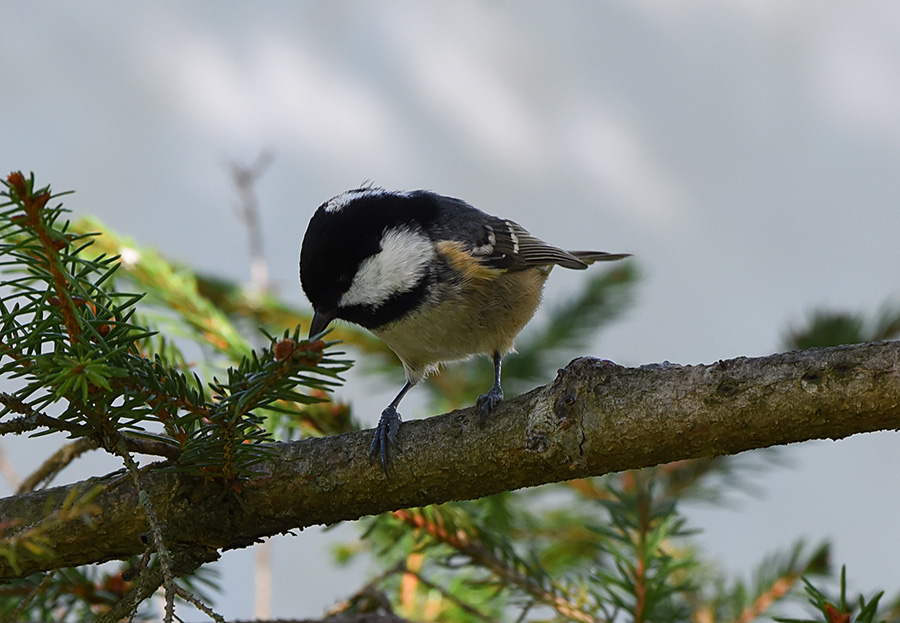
x,y
399,266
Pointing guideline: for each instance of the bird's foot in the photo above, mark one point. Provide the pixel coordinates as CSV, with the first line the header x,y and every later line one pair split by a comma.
x,y
487,402
385,436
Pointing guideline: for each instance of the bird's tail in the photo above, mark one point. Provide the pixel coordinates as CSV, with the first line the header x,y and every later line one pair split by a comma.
x,y
589,257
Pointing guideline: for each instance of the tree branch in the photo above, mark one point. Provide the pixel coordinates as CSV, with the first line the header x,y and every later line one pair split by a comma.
x,y
595,418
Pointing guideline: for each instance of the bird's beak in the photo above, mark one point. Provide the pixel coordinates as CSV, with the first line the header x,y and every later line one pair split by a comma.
x,y
321,320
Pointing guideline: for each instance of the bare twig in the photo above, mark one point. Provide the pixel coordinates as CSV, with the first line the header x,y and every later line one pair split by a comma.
x,y
150,579
71,451
202,607
55,463
245,179
165,558
32,420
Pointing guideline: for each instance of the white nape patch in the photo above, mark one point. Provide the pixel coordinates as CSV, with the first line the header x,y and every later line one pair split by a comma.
x,y
404,257
341,201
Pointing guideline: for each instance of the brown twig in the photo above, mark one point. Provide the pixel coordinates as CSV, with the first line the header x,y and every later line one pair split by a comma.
x,y
34,205
779,589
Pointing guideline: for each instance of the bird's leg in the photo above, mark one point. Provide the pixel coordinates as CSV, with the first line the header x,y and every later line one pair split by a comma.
x,y
386,431
487,402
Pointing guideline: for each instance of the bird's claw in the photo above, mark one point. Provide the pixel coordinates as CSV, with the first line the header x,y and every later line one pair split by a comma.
x,y
487,402
385,436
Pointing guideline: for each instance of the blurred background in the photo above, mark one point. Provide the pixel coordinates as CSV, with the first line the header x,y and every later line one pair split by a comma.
x,y
747,152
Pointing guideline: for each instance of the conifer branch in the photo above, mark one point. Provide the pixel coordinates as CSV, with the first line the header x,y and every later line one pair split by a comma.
x,y
480,555
459,603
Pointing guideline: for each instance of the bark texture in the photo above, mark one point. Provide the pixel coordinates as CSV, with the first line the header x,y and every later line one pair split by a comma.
x,y
595,418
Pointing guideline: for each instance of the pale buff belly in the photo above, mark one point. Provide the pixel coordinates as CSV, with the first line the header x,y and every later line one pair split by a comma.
x,y
485,319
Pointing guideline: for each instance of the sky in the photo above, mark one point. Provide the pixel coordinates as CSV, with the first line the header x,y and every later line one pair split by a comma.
x,y
745,151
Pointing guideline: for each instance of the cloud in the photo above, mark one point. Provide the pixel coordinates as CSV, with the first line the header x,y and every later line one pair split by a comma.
x,y
277,92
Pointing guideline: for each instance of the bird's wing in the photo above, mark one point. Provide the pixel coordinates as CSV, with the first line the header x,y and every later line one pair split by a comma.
x,y
511,246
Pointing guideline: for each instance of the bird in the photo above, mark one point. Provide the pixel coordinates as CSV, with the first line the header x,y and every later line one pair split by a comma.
x,y
436,279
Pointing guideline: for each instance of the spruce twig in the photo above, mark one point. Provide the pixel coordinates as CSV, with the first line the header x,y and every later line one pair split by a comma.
x,y
81,352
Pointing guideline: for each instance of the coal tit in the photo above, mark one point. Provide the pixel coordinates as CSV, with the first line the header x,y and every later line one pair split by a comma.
x,y
433,277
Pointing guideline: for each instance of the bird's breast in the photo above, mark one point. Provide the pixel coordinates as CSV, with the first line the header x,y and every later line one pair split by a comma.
x,y
479,316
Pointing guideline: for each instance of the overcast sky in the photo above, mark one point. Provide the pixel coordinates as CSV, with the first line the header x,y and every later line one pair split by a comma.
x,y
747,152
